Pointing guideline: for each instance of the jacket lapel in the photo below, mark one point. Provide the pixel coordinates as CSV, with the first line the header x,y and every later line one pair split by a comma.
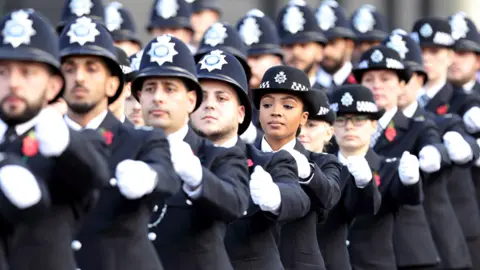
x,y
440,102
375,163
113,125
395,129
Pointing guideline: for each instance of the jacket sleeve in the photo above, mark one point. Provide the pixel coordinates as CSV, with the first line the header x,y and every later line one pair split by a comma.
x,y
431,135
360,201
405,194
295,203
225,191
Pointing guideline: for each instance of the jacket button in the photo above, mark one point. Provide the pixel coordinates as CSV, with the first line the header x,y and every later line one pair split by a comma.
x,y
188,202
76,245
245,213
113,182
152,236
155,208
348,243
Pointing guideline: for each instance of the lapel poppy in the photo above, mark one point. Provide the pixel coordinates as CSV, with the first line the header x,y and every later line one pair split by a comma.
x,y
351,79
390,132
250,163
442,110
107,135
30,145
376,178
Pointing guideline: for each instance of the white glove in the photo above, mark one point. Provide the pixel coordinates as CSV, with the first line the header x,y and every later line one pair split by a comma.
x,y
472,120
52,133
250,134
458,149
408,169
264,192
477,162
135,179
359,168
185,163
303,166
430,159
19,186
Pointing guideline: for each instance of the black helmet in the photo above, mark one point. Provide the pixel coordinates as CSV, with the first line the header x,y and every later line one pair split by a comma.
x,y
120,23
170,14
73,9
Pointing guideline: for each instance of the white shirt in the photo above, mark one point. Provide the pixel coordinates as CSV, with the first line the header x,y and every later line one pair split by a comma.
x,y
122,119
267,148
387,117
432,91
180,134
410,110
469,86
229,143
339,77
93,124
20,129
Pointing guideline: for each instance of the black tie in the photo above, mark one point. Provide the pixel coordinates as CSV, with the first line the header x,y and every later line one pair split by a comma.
x,y
11,134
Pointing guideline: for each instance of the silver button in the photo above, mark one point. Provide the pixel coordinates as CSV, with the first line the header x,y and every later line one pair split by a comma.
x,y
245,213
189,202
113,182
152,236
76,245
155,208
348,243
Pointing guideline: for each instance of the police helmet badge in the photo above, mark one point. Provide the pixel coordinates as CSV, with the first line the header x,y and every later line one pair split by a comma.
x,y
293,20
325,15
250,31
113,18
347,99
377,56
397,43
18,29
167,8
162,50
216,34
82,31
363,21
80,7
459,26
214,60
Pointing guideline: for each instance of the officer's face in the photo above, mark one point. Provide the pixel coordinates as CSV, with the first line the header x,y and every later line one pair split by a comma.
x,y
315,134
464,67
201,21
353,137
181,33
25,88
362,47
89,83
220,113
409,93
303,56
385,87
336,53
281,115
133,111
259,65
129,47
436,62
166,103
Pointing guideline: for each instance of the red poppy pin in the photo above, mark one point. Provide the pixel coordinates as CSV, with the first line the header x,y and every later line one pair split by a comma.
x,y
376,178
351,79
390,132
30,145
250,163
107,135
442,110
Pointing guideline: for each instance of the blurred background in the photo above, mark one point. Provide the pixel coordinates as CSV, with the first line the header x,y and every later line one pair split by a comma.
x,y
400,13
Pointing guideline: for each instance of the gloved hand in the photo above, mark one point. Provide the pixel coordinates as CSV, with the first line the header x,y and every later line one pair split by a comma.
x,y
52,133
20,186
408,169
135,179
360,170
430,159
458,149
472,120
264,192
250,134
185,163
303,166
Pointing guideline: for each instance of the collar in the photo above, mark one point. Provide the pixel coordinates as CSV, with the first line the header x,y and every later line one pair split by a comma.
x,y
387,117
267,148
339,77
230,143
180,134
312,80
432,91
122,119
469,86
410,110
93,124
20,129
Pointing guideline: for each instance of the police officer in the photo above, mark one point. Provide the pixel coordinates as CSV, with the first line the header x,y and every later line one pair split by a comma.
x,y
188,229
285,100
204,14
336,66
73,9
133,110
275,193
140,167
72,164
120,23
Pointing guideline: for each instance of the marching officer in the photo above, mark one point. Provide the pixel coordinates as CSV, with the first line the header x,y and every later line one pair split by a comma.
x,y
188,229
301,39
370,236
370,28
73,9
141,171
172,17
285,100
204,14
444,226
440,97
360,195
120,23
71,164
335,66
275,193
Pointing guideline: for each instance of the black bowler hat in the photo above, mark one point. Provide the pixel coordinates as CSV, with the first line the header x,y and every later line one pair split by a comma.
x,y
408,49
221,66
170,14
296,24
260,34
324,112
368,24
85,36
433,32
28,36
73,9
120,23
289,80
167,56
465,33
331,19
381,58
124,61
200,5
355,99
